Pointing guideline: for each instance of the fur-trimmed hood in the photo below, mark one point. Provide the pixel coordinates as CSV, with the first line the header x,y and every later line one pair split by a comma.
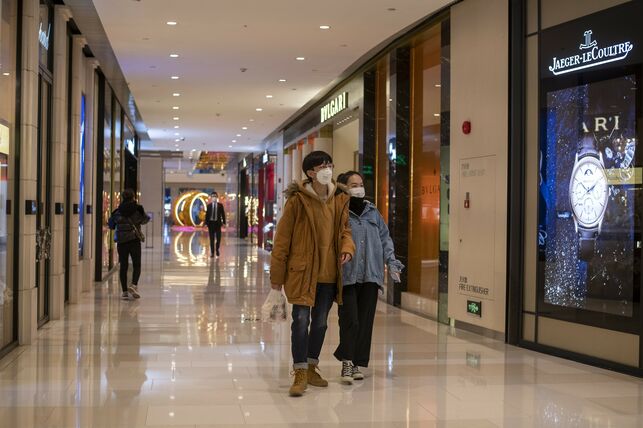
x,y
297,187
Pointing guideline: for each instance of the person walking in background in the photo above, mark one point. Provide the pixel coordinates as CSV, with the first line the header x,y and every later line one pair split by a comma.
x,y
127,220
312,242
215,219
363,277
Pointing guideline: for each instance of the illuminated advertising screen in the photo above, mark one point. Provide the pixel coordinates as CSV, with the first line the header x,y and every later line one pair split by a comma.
x,y
81,196
588,180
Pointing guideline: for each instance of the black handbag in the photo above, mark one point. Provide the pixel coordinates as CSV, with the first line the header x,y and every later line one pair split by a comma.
x,y
137,232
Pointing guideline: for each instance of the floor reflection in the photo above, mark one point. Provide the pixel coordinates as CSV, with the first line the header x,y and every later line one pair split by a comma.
x,y
192,352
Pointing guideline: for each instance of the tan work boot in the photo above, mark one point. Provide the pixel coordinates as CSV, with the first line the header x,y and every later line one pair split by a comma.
x,y
314,378
300,383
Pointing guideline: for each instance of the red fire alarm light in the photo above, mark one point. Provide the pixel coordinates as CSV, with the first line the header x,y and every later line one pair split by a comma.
x,y
466,127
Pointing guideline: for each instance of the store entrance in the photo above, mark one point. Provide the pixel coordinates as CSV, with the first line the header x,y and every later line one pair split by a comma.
x,y
43,198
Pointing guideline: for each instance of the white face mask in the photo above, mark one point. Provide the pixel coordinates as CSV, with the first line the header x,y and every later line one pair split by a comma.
x,y
357,192
324,176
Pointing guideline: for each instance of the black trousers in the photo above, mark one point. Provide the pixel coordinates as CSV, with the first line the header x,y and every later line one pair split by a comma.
x,y
125,251
356,318
214,230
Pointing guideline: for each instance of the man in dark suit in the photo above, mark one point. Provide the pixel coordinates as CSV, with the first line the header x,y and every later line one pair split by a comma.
x,y
215,218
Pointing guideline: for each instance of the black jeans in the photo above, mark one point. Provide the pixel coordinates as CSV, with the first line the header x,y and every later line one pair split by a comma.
x,y
356,318
214,230
307,345
125,250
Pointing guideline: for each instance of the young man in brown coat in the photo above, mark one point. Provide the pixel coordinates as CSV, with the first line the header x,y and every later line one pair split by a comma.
x,y
312,242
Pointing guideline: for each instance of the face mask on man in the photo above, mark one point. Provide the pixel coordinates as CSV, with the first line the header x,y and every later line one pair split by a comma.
x,y
324,176
357,192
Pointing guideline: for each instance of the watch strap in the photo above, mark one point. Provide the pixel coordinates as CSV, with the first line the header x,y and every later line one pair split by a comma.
x,y
586,146
586,243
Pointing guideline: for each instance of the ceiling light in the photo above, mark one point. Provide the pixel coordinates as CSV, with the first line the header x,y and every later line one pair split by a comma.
x,y
436,114
229,147
244,127
174,55
176,94
175,118
177,140
251,120
437,85
268,96
6,74
175,107
324,27
238,135
176,126
282,80
300,58
171,23
174,77
259,109
234,141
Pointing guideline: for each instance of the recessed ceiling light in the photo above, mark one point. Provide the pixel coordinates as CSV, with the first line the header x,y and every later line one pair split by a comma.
x,y
6,74
176,126
176,94
174,77
177,140
238,135
171,22
174,55
175,118
229,147
175,107
234,141
324,27
251,120
436,114
300,58
259,109
244,127
268,96
437,85
282,80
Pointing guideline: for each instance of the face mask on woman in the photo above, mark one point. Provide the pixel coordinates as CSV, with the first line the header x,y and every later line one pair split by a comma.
x,y
324,176
357,192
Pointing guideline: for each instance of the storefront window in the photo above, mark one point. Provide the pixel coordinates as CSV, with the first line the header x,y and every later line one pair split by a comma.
x,y
383,100
107,247
428,157
8,11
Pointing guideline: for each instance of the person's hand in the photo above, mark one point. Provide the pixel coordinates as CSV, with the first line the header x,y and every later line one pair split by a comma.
x,y
276,287
345,258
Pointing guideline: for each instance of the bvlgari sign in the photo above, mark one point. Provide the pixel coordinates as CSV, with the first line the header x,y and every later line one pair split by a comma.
x,y
591,54
334,107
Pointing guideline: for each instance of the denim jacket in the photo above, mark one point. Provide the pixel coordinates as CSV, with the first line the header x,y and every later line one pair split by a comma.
x,y
373,247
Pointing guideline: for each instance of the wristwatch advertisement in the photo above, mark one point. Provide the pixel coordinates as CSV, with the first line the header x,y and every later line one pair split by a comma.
x,y
589,182
588,195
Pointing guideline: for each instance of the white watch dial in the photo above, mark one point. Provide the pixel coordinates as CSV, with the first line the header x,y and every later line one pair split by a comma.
x,y
588,191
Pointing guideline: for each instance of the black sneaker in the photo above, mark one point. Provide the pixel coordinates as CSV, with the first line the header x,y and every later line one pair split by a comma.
x,y
357,375
347,372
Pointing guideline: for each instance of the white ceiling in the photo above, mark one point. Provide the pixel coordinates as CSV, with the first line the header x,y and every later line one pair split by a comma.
x,y
217,38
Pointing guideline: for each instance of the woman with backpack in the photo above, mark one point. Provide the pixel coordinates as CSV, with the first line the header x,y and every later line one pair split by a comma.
x,y
126,220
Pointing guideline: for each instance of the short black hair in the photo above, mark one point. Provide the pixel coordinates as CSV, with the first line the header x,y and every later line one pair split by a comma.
x,y
127,195
214,194
345,176
314,159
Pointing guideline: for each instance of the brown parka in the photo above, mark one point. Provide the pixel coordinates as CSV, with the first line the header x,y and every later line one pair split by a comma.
x,y
295,254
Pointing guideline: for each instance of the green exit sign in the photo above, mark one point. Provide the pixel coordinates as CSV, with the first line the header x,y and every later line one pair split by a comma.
x,y
474,308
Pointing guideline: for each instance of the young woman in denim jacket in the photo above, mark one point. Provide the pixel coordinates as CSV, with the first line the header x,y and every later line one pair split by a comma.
x,y
363,277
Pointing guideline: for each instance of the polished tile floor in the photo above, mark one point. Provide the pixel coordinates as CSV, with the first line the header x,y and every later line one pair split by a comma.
x,y
192,353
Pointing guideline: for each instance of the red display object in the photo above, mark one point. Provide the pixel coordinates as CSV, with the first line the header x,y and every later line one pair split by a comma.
x,y
466,127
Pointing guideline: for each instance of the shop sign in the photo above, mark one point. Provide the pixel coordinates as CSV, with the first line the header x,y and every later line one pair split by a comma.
x,y
591,54
43,36
335,106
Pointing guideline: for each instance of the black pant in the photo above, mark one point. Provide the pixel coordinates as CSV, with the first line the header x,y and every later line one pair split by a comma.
x,y
214,230
125,250
356,318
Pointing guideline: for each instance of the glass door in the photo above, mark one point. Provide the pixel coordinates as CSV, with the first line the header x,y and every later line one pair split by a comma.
x,y
43,199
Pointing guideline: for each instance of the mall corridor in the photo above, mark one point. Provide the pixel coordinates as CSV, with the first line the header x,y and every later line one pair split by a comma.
x,y
192,353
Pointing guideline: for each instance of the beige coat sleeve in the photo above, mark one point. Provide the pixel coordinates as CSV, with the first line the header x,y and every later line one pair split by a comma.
x,y
282,241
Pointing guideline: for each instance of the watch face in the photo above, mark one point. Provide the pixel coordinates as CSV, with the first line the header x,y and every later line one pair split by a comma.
x,y
588,191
